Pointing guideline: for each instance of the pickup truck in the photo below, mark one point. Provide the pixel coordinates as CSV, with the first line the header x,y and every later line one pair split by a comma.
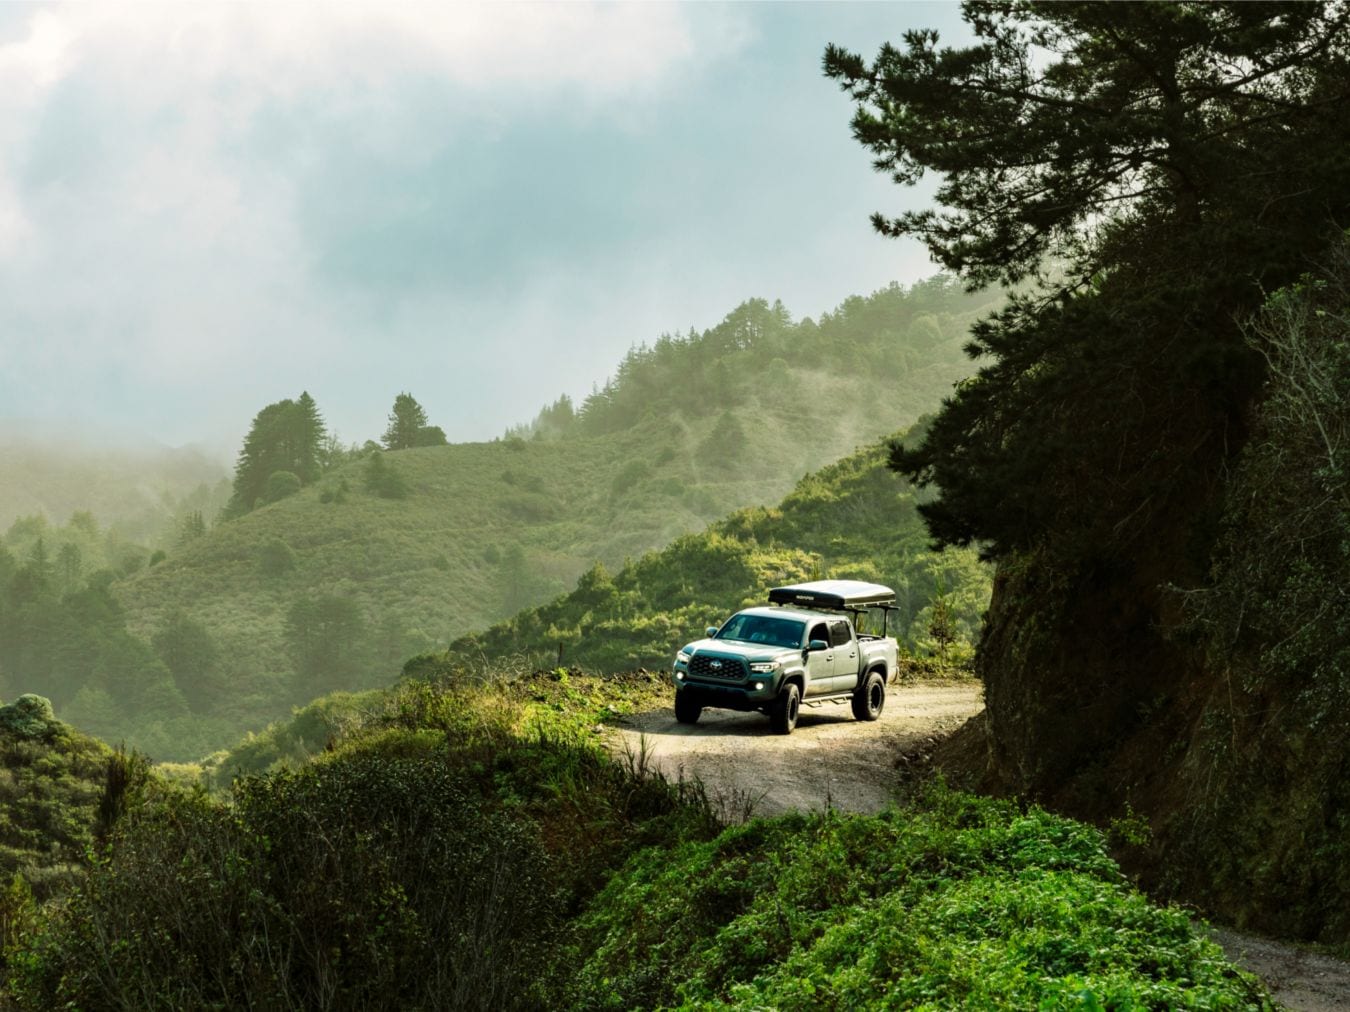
x,y
802,648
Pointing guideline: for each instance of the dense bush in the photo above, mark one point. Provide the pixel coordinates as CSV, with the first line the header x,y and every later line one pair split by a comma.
x,y
959,902
363,882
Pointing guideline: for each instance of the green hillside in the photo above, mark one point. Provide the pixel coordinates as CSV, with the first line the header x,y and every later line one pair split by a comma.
x,y
477,848
854,519
335,585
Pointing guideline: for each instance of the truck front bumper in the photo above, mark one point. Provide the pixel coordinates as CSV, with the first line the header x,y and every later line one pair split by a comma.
x,y
740,696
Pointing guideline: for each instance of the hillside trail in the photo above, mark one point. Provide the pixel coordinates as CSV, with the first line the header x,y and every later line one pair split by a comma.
x,y
834,761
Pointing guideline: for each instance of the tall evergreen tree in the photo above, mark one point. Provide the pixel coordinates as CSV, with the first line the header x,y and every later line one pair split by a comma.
x,y
406,421
1173,161
285,436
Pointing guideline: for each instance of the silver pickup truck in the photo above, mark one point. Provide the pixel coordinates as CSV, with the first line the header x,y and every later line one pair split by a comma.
x,y
802,647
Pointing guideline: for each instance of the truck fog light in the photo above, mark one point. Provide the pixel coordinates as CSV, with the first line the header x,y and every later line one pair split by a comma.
x,y
679,676
759,686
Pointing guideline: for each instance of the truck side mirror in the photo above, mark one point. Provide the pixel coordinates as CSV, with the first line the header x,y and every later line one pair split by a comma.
x,y
712,631
815,645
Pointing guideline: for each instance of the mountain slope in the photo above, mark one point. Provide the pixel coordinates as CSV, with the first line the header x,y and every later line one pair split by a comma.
x,y
332,587
852,519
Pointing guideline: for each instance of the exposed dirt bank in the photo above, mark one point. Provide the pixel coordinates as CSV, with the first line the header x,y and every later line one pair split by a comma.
x,y
833,760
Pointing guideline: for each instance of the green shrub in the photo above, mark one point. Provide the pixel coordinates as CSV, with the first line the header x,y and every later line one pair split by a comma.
x,y
363,882
957,902
275,557
280,484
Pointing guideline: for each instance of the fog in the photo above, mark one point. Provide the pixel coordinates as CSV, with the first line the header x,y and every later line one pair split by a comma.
x,y
206,208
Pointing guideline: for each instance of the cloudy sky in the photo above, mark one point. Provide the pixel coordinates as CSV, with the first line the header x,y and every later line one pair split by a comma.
x,y
207,207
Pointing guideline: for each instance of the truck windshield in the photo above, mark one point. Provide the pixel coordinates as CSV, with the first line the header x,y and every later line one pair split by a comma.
x,y
774,632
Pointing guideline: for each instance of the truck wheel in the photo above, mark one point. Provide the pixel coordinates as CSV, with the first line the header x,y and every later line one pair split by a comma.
x,y
783,713
686,710
869,697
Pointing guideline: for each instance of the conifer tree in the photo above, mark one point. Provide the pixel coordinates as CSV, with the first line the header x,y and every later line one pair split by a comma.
x,y
406,421
1172,162
286,436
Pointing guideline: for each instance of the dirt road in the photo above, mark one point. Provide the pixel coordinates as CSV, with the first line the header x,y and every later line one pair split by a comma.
x,y
830,760
833,760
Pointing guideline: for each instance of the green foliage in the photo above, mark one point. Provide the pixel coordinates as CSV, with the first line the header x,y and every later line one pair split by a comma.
x,y
275,557
957,902
384,479
140,493
853,520
51,780
19,916
1269,760
190,653
476,848
326,635
280,484
621,480
408,426
1105,407
1133,156
365,882
287,438
29,716
430,435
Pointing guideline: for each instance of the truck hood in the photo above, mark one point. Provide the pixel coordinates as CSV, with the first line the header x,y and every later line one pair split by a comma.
x,y
733,648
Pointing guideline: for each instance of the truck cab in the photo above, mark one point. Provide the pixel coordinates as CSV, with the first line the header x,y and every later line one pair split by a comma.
x,y
803,648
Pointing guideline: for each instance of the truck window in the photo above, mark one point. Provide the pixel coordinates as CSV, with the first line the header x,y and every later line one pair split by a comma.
x,y
818,633
840,633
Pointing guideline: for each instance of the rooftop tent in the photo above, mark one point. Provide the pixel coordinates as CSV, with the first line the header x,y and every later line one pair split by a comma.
x,y
835,594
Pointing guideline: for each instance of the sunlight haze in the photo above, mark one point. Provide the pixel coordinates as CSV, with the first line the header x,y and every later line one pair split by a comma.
x,y
205,208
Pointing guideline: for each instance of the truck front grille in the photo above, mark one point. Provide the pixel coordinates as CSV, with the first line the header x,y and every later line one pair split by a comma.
x,y
720,668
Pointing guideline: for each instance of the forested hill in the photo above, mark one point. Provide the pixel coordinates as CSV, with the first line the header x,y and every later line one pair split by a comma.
x,y
137,492
376,556
851,520
758,357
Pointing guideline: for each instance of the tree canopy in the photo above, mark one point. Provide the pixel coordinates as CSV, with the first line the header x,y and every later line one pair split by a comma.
x,y
287,437
1157,167
406,422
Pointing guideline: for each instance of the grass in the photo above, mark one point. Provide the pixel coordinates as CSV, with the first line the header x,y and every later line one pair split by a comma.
x,y
852,519
476,845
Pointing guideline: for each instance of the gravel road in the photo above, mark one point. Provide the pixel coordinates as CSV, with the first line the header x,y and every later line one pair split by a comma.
x,y
829,760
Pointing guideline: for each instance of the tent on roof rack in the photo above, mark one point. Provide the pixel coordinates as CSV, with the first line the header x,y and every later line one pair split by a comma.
x,y
836,595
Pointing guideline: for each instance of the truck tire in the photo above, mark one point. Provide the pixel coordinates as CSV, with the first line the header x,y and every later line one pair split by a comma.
x,y
686,710
870,696
783,713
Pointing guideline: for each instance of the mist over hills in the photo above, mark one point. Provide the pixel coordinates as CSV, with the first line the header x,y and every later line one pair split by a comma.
x,y
135,488
334,586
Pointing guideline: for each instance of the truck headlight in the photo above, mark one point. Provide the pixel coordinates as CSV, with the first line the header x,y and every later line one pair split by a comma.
x,y
763,667
682,658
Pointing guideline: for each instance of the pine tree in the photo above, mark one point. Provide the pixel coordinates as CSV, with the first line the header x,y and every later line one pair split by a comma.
x,y
310,438
1174,162
287,436
406,420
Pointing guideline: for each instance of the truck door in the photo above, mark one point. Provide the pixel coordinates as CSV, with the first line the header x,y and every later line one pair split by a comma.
x,y
819,663
844,647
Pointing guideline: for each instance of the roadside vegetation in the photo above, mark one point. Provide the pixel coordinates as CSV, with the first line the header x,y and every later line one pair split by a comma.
x,y
851,520
476,846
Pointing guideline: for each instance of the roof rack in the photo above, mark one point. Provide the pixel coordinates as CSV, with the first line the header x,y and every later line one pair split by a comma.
x,y
835,595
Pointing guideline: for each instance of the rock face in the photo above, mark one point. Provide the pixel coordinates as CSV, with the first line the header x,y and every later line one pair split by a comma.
x,y
29,716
